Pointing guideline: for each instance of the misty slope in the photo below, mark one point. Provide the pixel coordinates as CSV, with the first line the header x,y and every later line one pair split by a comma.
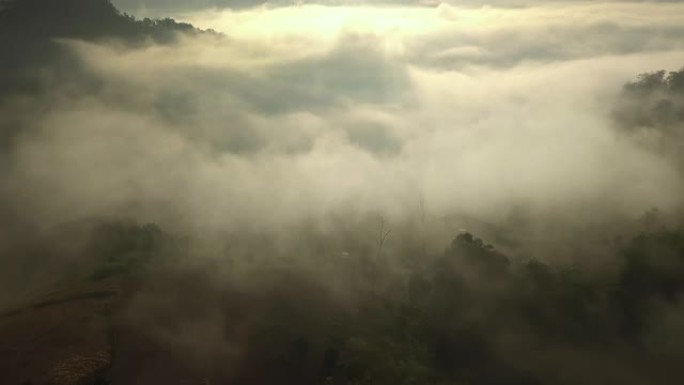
x,y
63,332
142,312
652,109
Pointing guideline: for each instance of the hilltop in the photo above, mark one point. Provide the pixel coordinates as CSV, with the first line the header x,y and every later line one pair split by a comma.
x,y
29,30
82,19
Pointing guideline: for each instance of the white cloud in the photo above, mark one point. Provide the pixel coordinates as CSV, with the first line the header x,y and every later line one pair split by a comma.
x,y
271,127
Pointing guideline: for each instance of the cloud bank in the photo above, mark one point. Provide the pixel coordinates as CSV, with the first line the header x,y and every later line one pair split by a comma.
x,y
464,110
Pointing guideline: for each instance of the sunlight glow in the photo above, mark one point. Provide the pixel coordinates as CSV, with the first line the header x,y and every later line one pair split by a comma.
x,y
322,21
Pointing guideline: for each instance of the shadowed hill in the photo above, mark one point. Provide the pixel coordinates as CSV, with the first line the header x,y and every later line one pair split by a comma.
x,y
84,19
32,60
29,28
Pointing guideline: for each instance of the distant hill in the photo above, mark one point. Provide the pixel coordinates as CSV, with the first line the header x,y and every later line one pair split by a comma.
x,y
84,19
28,29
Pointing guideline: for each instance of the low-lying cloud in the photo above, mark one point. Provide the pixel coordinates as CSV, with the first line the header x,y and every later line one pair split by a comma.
x,y
272,129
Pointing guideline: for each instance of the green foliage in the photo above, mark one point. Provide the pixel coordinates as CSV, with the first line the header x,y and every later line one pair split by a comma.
x,y
655,100
448,327
476,253
121,247
653,273
655,265
658,81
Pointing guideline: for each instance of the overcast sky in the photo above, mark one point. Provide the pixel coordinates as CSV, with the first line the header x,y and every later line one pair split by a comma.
x,y
159,7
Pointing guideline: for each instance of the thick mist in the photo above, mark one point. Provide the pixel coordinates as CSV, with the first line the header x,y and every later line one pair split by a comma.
x,y
215,133
295,177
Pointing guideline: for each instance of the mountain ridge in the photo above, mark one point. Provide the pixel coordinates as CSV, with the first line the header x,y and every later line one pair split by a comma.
x,y
85,19
29,30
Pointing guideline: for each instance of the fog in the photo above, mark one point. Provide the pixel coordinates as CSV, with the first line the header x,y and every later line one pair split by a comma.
x,y
273,128
305,135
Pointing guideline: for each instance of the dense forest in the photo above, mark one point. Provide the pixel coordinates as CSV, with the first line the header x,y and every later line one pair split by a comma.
x,y
469,315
